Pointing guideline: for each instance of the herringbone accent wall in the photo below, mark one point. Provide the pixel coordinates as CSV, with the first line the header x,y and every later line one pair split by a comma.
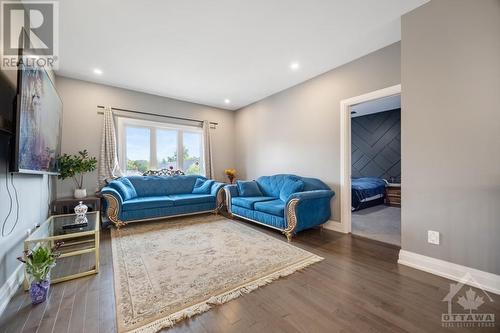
x,y
376,145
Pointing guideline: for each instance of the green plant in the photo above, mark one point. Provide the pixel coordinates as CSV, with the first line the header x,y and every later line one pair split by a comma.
x,y
40,261
74,166
138,165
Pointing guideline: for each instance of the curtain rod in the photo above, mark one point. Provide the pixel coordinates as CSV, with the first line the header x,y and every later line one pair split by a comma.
x,y
155,114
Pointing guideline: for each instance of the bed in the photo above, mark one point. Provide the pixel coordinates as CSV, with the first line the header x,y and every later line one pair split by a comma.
x,y
367,192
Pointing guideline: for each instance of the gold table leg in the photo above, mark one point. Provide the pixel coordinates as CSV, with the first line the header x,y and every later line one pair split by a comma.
x,y
97,241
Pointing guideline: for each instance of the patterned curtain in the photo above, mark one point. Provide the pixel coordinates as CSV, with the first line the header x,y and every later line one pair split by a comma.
x,y
207,158
108,161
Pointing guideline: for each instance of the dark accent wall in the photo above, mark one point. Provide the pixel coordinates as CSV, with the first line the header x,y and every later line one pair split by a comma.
x,y
376,145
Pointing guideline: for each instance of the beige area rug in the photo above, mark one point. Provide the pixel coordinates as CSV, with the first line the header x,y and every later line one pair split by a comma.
x,y
170,270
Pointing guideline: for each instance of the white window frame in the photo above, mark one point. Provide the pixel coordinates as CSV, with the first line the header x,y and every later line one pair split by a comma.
x,y
123,122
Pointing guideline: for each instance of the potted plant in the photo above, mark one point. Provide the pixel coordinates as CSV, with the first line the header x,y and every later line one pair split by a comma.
x,y
38,264
231,174
74,166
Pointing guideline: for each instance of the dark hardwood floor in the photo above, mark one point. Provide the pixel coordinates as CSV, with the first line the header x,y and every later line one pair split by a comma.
x,y
359,287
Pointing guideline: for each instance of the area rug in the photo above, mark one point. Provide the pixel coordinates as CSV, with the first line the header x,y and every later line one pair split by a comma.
x,y
170,270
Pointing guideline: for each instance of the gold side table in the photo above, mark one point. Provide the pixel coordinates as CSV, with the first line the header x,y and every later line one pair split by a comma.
x,y
77,242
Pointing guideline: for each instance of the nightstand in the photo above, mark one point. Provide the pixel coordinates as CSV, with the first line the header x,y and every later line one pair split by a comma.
x,y
393,194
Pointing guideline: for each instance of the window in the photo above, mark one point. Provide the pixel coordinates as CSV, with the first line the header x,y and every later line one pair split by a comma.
x,y
166,148
145,145
138,149
192,153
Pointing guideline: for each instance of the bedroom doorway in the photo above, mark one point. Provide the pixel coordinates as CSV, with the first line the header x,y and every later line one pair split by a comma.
x,y
371,165
376,169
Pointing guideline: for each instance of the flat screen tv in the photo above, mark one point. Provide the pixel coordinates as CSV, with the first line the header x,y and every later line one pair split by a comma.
x,y
8,94
38,121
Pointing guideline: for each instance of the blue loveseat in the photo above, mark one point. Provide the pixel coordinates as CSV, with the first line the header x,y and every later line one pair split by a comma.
x,y
138,198
288,203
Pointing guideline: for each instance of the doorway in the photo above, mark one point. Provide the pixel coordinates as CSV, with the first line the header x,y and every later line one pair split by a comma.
x,y
371,165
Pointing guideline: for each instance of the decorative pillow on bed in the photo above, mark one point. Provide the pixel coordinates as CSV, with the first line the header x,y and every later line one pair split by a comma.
x,y
202,186
290,187
248,188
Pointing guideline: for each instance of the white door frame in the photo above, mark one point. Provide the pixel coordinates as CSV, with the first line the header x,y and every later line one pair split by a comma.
x,y
345,149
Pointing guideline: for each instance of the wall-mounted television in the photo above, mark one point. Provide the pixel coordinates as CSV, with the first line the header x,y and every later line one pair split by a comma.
x,y
8,93
38,120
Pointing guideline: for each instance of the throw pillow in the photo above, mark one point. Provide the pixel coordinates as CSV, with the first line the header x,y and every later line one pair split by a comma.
x,y
124,187
202,186
290,187
248,188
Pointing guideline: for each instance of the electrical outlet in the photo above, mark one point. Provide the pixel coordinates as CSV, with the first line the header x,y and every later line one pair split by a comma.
x,y
433,237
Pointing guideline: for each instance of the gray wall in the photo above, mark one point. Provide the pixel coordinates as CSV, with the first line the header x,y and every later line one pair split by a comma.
x,y
298,130
33,197
451,131
82,125
376,145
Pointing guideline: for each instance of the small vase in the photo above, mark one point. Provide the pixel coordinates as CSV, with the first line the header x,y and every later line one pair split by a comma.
x,y
81,209
80,212
39,291
80,193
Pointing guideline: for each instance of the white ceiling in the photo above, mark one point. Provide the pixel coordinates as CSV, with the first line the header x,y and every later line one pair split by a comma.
x,y
208,50
377,105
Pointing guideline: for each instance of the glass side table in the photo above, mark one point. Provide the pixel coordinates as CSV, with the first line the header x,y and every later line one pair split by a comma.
x,y
80,251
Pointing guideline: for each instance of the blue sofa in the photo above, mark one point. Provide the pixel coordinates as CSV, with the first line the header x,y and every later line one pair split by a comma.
x,y
138,198
285,202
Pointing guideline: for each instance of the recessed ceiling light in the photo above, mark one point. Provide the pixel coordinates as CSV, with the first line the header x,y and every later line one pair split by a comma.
x,y
97,71
227,101
294,66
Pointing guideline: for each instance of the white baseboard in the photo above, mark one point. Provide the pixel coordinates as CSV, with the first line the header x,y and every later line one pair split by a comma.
x,y
335,226
481,279
10,287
